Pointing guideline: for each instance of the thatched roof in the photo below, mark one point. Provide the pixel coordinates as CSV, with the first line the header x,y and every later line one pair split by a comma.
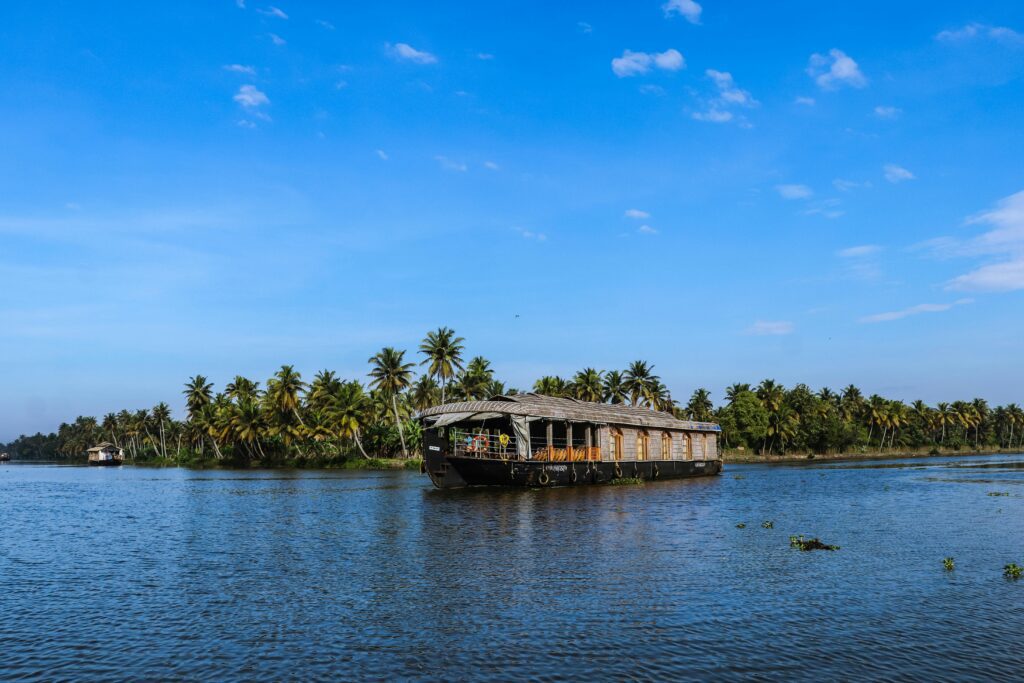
x,y
102,447
535,405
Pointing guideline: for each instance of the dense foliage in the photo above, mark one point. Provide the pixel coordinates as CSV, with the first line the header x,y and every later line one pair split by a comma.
x,y
330,419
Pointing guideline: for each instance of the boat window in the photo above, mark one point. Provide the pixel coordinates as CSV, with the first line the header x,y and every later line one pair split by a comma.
x,y
615,442
687,447
666,446
642,445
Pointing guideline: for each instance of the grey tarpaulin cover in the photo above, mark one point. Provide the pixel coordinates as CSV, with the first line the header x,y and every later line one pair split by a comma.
x,y
520,423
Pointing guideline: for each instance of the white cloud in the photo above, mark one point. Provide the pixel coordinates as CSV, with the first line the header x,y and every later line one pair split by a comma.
x,y
584,27
484,56
885,112
245,123
382,154
976,30
669,60
806,101
530,235
449,165
240,69
1005,240
250,97
637,63
273,12
913,310
834,70
340,85
896,174
411,54
688,9
794,191
763,328
647,230
325,24
859,251
240,4
491,166
651,89
713,116
636,213
844,185
277,40
729,95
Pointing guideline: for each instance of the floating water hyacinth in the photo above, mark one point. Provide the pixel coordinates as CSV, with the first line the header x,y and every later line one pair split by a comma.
x,y
741,525
949,564
1013,571
768,524
801,543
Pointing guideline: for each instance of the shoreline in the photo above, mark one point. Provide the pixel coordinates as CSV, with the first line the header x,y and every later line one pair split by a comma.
x,y
733,458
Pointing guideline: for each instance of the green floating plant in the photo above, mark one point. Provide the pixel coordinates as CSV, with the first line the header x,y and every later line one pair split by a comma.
x,y
801,543
1013,571
949,564
741,525
998,493
767,524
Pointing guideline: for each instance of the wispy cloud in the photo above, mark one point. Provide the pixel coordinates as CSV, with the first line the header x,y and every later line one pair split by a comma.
x,y
764,328
240,69
240,4
323,23
584,27
886,112
485,56
449,165
636,213
844,185
491,166
688,9
859,251
896,174
531,235
1004,241
382,155
835,70
277,40
728,96
913,310
976,30
638,63
646,230
408,53
251,97
806,101
273,12
794,191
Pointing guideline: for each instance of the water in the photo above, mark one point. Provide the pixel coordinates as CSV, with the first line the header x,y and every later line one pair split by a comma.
x,y
174,574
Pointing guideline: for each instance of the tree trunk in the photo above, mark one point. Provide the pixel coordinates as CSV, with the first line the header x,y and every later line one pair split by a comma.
x,y
359,443
444,384
398,423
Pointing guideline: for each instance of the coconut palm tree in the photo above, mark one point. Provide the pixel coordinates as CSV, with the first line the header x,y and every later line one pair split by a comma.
x,y
639,381
476,380
734,390
241,387
614,389
324,384
198,394
551,385
391,375
424,393
162,417
700,407
443,351
347,410
586,385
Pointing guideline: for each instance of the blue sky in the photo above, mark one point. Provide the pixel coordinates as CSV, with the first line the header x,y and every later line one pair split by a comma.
x,y
732,191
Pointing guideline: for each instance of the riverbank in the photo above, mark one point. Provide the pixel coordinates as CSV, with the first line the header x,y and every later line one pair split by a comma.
x,y
748,457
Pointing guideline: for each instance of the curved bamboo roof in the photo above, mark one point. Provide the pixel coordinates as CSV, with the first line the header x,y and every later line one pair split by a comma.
x,y
536,405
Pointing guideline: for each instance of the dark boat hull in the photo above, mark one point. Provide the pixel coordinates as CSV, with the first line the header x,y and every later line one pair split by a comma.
x,y
454,472
105,463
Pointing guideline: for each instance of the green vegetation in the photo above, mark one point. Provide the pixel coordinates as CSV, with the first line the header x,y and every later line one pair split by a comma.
x,y
1013,571
767,524
801,543
741,525
949,564
998,493
331,420
626,481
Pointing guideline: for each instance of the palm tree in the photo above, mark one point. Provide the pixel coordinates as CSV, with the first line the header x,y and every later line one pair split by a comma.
x,y
198,394
347,411
733,391
443,351
700,408
639,381
981,410
551,385
241,387
614,389
391,375
161,416
424,393
943,416
321,388
249,423
586,385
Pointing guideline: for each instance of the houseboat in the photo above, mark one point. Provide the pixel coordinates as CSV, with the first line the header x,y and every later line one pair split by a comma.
x,y
534,440
106,454
5,457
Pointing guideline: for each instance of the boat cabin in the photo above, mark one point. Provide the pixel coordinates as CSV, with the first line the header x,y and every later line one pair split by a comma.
x,y
105,454
531,428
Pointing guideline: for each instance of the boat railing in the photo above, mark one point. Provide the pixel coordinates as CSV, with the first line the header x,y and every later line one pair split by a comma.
x,y
490,445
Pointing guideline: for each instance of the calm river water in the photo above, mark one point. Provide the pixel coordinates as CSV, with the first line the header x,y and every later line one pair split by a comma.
x,y
175,574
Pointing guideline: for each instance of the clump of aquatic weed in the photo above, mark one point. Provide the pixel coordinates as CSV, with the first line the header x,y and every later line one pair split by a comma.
x,y
1013,571
741,525
949,564
768,524
625,481
998,493
801,543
